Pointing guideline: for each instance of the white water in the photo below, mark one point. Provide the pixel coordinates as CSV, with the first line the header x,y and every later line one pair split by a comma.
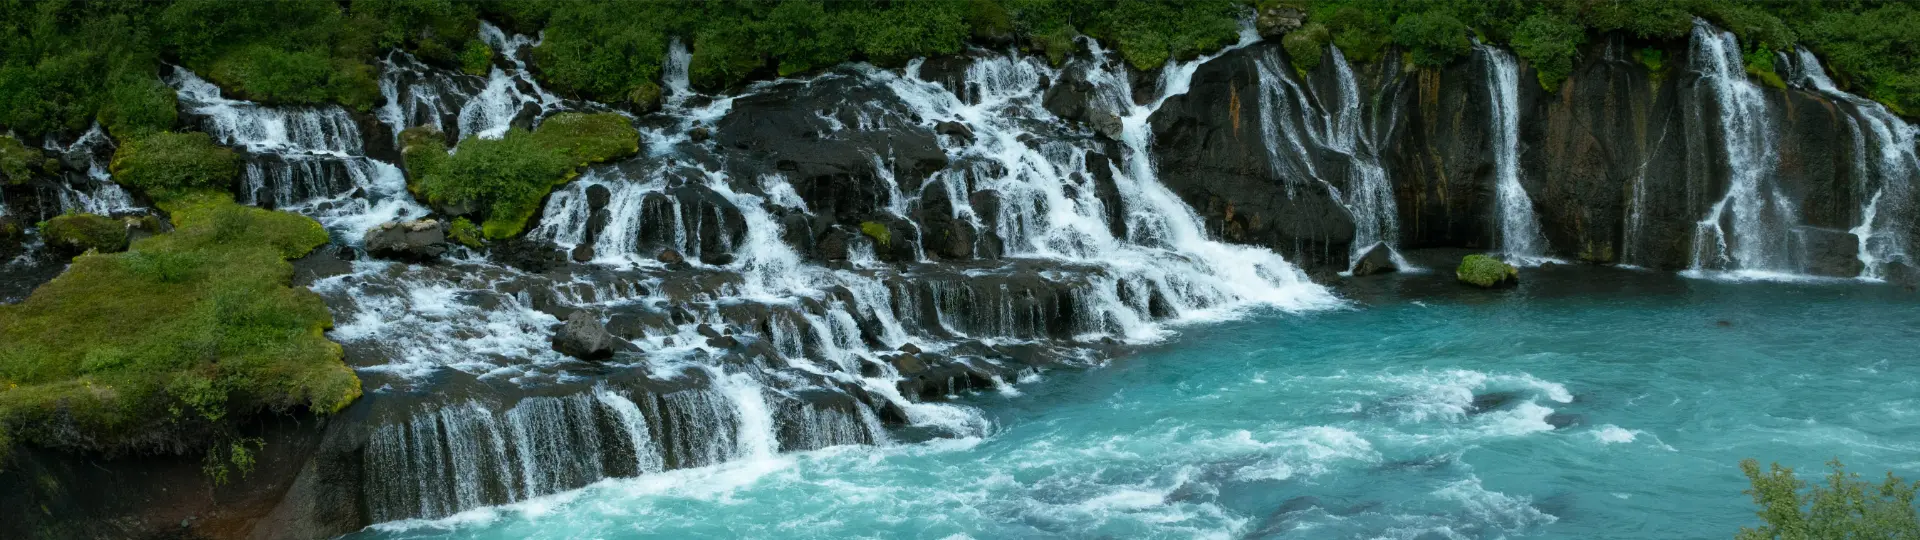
x,y
98,194
1520,240
1749,231
1884,168
1293,117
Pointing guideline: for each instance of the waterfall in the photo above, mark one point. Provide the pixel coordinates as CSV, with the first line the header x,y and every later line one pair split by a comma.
x,y
1294,117
96,192
1884,168
1749,230
309,160
1520,239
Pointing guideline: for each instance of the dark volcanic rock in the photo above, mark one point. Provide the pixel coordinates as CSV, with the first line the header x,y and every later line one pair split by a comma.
x,y
1209,147
584,337
1830,252
421,240
528,254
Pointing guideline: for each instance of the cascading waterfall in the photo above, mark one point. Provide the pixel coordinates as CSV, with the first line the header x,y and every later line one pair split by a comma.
x,y
1884,168
96,193
1520,239
1296,116
1749,230
770,351
304,159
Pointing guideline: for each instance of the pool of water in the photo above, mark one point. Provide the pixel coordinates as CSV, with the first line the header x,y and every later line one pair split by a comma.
x,y
1589,403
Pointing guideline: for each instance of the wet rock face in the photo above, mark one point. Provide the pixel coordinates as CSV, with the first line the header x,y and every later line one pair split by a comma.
x,y
420,240
1210,151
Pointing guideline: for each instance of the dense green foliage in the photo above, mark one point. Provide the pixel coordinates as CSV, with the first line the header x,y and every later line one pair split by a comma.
x,y
64,64
503,180
165,347
1486,272
79,233
1846,507
167,164
19,163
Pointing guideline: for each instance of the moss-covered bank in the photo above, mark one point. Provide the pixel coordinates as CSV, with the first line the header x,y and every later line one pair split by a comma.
x,y
166,347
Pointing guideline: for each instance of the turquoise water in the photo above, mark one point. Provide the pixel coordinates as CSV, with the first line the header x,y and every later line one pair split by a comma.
x,y
1611,404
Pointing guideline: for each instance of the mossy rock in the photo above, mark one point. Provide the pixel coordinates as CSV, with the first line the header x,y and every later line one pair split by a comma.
x,y
168,165
19,163
878,232
80,233
1486,272
465,233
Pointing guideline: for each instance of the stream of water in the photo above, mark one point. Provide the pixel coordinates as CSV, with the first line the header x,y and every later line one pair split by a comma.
x,y
1578,406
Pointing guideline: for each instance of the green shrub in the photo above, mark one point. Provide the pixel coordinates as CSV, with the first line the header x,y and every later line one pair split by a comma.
x,y
1306,46
465,233
878,232
79,233
503,180
1759,64
1432,38
139,105
1486,272
1549,43
18,163
167,347
1845,507
167,165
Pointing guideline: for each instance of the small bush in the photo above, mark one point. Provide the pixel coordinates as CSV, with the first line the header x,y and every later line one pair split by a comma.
x,y
167,165
79,233
465,233
878,232
1759,64
1550,43
1486,272
139,105
1845,507
1433,38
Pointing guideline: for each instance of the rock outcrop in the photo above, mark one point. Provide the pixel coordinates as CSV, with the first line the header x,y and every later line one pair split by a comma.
x,y
421,240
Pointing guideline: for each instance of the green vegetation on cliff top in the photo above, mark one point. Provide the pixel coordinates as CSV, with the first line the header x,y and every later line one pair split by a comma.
x,y
165,348
65,64
502,181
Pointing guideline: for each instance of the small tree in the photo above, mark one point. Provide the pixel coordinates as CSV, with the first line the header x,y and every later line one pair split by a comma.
x,y
1846,507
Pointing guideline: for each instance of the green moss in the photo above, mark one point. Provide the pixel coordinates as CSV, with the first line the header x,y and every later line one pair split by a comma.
x,y
878,232
167,346
19,163
80,233
1486,272
167,165
502,181
476,58
1759,64
589,138
1655,60
465,233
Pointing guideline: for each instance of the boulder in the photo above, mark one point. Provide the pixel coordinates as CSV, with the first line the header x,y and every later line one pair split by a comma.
x,y
584,337
1377,260
418,240
529,254
1830,252
582,253
716,258
954,129
79,233
670,257
598,196
1486,272
1107,124
1277,20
